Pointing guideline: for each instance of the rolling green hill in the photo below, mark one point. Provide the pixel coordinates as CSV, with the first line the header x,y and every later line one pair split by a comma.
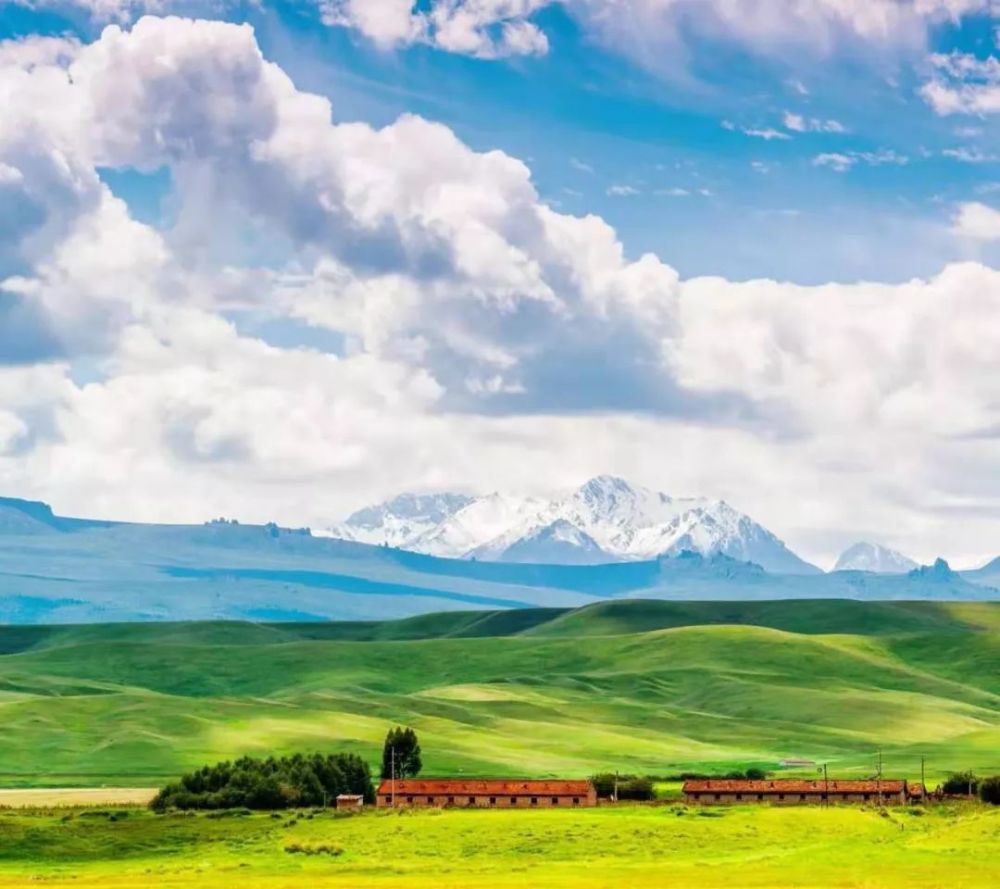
x,y
657,686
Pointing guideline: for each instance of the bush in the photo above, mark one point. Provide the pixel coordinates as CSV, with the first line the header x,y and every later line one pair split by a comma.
x,y
321,849
631,787
267,784
961,783
989,790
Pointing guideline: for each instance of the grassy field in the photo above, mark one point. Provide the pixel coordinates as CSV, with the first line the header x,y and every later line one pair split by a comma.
x,y
651,686
630,846
36,797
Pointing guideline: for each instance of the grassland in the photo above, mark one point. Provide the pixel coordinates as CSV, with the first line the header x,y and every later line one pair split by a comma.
x,y
652,686
630,846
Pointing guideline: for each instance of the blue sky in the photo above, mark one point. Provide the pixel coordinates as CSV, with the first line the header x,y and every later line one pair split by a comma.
x,y
743,249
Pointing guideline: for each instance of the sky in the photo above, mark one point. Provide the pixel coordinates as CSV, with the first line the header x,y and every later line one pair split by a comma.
x,y
277,261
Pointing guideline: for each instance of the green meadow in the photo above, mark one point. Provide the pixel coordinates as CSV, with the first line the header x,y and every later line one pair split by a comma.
x,y
655,687
589,848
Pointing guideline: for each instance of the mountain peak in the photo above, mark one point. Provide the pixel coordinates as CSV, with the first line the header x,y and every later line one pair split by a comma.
x,y
939,571
873,557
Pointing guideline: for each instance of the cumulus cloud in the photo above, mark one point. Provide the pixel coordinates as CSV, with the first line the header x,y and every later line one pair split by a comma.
x,y
978,222
488,339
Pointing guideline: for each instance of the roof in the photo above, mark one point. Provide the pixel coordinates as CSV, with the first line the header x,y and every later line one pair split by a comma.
x,y
485,787
915,789
350,796
793,786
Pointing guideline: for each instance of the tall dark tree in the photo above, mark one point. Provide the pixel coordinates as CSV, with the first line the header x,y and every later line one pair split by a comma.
x,y
402,748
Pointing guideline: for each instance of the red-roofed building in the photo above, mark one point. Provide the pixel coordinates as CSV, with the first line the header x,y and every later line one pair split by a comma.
x,y
485,794
793,792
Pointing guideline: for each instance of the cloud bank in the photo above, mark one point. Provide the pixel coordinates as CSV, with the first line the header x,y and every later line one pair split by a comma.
x,y
484,338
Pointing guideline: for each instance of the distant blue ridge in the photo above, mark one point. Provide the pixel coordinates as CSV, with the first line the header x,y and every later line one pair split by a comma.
x,y
340,582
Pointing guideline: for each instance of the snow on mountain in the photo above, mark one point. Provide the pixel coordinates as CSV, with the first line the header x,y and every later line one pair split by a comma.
x,y
606,519
875,558
559,543
399,522
480,521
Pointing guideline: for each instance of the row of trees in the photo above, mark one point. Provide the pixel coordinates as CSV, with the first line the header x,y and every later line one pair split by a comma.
x,y
289,782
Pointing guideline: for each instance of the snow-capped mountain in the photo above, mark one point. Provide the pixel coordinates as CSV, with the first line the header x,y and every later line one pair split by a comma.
x,y
604,520
875,558
400,522
558,543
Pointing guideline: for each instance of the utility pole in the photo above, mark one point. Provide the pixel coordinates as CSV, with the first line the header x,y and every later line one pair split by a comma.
x,y
923,781
392,775
615,795
878,779
826,786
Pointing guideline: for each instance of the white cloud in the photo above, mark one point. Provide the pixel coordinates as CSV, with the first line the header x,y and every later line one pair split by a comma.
x,y
842,162
963,84
977,222
487,29
970,155
622,191
488,339
768,134
105,10
799,124
835,160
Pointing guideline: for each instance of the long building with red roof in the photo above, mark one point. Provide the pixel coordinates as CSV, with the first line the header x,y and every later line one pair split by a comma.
x,y
485,793
794,792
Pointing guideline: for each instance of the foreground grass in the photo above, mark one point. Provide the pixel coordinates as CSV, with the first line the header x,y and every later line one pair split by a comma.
x,y
628,846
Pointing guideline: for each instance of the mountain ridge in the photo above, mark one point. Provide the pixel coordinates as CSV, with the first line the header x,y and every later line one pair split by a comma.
x,y
82,571
606,517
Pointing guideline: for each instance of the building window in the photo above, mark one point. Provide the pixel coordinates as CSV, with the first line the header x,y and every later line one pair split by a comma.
x,y
430,800
555,800
802,796
534,801
472,800
718,796
409,799
739,796
493,800
760,797
781,796
451,800
867,797
576,800
385,799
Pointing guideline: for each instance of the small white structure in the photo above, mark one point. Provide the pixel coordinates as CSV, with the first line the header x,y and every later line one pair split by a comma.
x,y
350,802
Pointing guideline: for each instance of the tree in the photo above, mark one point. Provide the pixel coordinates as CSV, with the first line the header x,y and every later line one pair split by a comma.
x,y
961,783
989,790
401,754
